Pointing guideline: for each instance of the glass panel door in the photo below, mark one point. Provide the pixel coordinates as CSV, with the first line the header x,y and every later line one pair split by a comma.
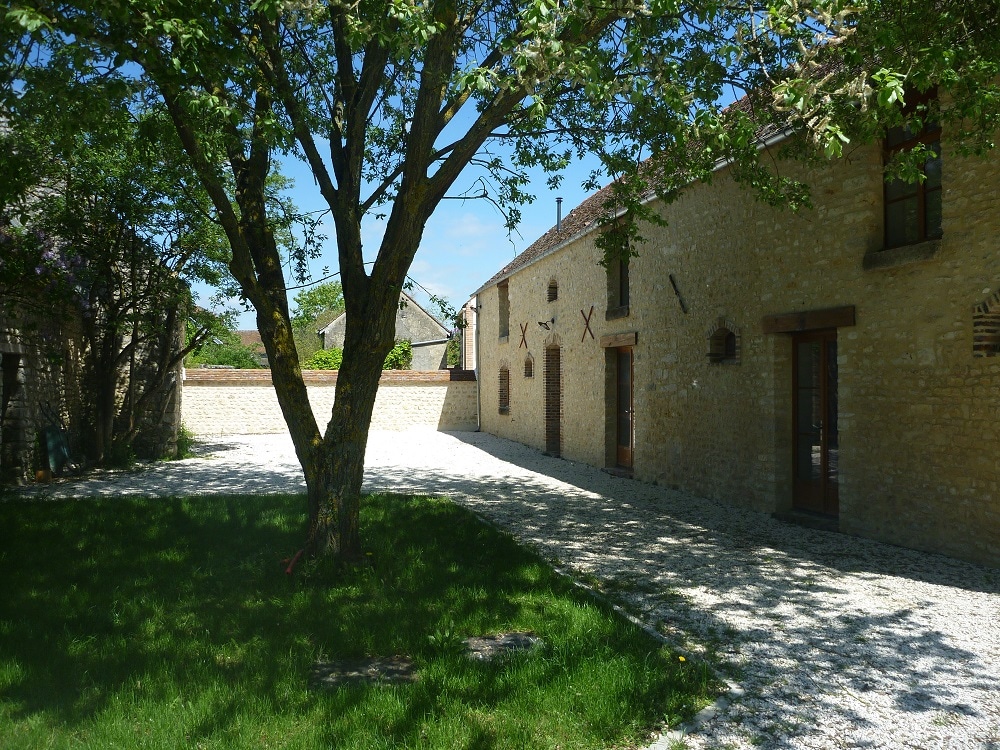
x,y
624,407
816,442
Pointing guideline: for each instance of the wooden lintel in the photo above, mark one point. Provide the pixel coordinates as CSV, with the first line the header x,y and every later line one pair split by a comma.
x,y
619,339
809,320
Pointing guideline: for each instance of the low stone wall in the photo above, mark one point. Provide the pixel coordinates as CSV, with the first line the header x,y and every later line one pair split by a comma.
x,y
243,402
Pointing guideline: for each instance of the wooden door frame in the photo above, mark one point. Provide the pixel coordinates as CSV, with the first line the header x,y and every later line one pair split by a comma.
x,y
624,459
553,445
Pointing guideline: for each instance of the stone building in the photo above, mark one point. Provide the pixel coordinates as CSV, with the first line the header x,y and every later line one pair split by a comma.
x,y
425,333
46,398
39,395
839,365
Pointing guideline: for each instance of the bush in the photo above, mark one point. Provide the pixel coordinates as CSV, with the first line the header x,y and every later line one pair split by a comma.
x,y
226,350
453,352
400,358
185,443
325,359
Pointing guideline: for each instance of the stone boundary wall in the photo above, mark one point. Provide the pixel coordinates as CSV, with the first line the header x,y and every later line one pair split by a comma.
x,y
243,402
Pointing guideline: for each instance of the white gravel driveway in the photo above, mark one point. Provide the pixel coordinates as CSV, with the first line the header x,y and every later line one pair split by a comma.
x,y
834,641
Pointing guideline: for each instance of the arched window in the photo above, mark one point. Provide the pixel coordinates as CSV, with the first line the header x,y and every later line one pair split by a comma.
x,y
529,367
724,343
553,292
503,390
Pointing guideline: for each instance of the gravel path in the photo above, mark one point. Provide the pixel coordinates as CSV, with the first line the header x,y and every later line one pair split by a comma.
x,y
833,641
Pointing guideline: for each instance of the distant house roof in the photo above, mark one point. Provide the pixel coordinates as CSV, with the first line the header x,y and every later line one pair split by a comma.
x,y
250,338
410,303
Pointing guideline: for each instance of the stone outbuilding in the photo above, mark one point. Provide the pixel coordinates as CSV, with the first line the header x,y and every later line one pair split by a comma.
x,y
837,366
427,336
39,396
46,402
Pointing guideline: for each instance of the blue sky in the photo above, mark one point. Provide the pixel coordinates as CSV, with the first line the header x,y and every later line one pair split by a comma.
x,y
464,244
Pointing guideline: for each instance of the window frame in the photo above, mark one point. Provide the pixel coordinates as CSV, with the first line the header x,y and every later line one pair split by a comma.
x,y
898,140
619,290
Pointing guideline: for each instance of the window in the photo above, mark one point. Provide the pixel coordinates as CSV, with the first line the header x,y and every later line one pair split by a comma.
x,y
503,390
913,210
618,288
504,311
724,343
553,292
529,367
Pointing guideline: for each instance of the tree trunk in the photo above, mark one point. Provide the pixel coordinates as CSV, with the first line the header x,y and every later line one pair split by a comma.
x,y
335,474
335,505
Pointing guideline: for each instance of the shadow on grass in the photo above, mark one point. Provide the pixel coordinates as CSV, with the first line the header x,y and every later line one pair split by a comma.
x,y
127,612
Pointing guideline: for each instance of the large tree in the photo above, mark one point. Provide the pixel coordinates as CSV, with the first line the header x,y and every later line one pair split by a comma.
x,y
392,102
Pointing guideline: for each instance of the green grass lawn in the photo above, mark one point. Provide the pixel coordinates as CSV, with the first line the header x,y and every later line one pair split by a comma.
x,y
172,624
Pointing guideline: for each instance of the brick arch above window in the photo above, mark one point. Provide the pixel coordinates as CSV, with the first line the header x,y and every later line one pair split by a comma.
x,y
986,327
723,343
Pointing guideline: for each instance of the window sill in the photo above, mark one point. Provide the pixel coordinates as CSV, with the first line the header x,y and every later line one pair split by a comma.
x,y
503,339
615,313
901,256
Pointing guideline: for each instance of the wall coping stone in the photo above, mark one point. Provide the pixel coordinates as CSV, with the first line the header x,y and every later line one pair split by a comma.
x,y
206,377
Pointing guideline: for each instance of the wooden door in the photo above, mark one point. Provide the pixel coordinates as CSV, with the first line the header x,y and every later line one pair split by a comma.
x,y
624,407
816,446
553,401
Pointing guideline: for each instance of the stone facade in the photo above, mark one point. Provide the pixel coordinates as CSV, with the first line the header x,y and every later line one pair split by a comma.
x,y
427,337
717,303
242,402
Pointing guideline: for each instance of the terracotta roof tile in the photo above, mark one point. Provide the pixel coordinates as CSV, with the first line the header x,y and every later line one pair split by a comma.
x,y
250,338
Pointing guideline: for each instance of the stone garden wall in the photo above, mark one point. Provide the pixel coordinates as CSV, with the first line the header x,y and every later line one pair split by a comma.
x,y
242,402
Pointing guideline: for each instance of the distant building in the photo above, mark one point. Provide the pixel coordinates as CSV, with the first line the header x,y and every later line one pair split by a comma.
x,y
428,337
252,340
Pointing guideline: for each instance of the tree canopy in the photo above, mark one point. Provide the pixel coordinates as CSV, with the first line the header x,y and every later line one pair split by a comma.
x,y
100,232
397,104
326,297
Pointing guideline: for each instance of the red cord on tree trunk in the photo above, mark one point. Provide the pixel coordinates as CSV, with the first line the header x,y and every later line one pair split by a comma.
x,y
291,565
